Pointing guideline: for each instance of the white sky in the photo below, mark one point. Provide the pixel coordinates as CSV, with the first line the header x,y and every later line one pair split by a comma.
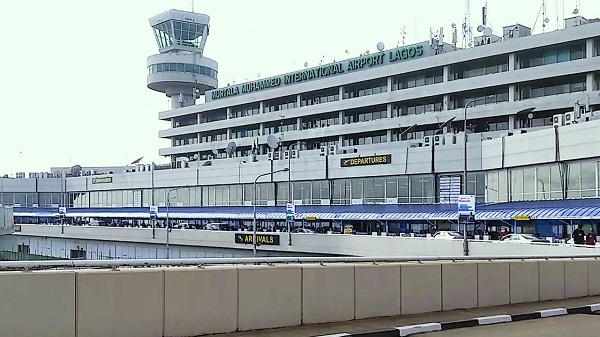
x,y
73,73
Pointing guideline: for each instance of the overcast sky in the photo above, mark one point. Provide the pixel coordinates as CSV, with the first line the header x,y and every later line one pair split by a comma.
x,y
73,78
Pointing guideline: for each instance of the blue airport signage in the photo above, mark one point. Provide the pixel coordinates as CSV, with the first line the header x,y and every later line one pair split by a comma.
x,y
153,212
466,205
290,211
62,211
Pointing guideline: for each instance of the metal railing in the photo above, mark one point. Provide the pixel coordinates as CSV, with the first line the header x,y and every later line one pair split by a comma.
x,y
28,265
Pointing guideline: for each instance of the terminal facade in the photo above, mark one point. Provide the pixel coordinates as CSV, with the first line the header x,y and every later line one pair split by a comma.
x,y
377,140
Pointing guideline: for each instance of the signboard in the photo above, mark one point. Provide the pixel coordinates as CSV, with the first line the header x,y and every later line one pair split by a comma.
x,y
290,210
364,161
153,212
466,205
62,211
261,239
326,70
102,180
522,217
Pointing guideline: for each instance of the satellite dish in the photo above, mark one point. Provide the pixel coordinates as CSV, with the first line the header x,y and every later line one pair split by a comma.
x,y
530,115
576,11
305,64
380,46
272,141
196,156
76,170
215,152
453,25
480,28
487,31
546,20
183,159
230,148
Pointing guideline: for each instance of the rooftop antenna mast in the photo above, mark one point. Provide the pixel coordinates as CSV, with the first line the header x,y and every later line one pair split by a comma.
x,y
193,6
467,32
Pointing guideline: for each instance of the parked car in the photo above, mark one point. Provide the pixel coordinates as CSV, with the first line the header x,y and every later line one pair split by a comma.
x,y
522,238
303,230
447,235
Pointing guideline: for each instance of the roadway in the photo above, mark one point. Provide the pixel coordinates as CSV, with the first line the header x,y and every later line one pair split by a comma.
x,y
571,325
566,325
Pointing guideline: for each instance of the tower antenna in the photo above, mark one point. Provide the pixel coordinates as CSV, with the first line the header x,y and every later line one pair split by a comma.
x,y
193,6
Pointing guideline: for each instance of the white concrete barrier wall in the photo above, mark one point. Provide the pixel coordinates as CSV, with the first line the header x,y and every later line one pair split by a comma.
x,y
191,301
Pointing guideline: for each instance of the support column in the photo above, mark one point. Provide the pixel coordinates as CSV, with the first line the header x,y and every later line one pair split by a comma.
x,y
299,123
341,92
446,102
340,141
228,114
511,122
261,107
589,48
511,62
511,93
228,133
341,117
298,100
589,82
261,129
446,73
198,119
388,136
389,110
389,84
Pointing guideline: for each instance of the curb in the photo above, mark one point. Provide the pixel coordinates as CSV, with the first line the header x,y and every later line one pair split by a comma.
x,y
469,323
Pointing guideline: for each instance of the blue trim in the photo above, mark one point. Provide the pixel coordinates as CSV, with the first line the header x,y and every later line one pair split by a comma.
x,y
536,210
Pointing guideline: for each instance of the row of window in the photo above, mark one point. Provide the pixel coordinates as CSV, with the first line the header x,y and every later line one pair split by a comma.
x,y
543,182
182,68
418,80
553,86
552,55
479,68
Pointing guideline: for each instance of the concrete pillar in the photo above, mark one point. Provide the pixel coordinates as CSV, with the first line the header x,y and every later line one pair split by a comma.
x,y
446,73
298,100
388,136
341,140
511,61
589,82
446,102
228,114
198,117
511,93
341,92
299,123
589,48
389,84
511,122
261,130
261,107
389,110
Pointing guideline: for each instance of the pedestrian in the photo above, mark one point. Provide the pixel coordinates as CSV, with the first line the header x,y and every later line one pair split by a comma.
x,y
590,239
579,236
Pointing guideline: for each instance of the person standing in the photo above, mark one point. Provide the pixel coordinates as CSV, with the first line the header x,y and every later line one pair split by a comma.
x,y
579,236
590,239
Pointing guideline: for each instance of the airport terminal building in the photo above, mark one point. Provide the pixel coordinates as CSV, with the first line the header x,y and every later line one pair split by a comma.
x,y
376,140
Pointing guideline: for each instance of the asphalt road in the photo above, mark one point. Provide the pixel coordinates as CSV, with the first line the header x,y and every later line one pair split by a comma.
x,y
375,324
570,325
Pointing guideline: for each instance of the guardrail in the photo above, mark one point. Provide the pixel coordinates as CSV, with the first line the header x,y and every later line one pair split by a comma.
x,y
12,265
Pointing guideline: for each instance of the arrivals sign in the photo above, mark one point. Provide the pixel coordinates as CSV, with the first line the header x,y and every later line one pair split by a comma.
x,y
364,161
336,68
261,239
290,210
466,205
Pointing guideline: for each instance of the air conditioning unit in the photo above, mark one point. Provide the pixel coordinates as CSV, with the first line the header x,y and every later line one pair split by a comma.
x,y
332,150
323,151
416,145
294,154
270,155
276,155
427,141
286,154
558,120
20,175
439,140
569,118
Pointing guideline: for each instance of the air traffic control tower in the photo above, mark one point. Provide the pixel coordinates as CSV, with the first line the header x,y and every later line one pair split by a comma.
x,y
180,70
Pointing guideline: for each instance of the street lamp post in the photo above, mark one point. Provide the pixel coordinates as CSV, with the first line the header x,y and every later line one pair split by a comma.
x,y
167,225
254,206
152,222
464,184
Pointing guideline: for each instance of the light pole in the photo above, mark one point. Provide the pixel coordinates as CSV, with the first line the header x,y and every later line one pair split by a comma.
x,y
167,225
152,222
254,206
464,184
289,171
